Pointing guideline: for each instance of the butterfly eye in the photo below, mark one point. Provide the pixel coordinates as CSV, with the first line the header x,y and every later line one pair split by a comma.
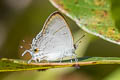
x,y
36,50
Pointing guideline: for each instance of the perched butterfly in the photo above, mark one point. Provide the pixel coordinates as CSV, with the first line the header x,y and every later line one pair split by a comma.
x,y
54,42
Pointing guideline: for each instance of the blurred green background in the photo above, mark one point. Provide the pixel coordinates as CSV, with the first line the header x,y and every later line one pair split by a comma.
x,y
23,19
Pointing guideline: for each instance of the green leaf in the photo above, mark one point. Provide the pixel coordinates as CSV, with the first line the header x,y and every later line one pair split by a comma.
x,y
93,16
19,65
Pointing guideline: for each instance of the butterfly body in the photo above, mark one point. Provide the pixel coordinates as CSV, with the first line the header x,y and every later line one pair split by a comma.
x,y
54,42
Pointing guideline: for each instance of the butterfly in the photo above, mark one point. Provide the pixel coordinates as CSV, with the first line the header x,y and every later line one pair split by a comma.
x,y
54,41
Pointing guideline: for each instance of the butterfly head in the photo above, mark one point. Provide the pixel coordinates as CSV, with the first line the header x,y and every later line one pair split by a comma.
x,y
36,50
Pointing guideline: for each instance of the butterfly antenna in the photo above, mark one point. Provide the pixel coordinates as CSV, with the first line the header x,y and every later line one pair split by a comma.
x,y
78,41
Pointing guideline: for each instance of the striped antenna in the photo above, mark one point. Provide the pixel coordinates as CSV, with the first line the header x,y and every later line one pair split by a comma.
x,y
78,41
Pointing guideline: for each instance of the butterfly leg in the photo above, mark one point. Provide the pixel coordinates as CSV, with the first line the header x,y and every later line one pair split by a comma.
x,y
26,52
29,60
71,59
36,60
61,59
39,59
76,60
75,57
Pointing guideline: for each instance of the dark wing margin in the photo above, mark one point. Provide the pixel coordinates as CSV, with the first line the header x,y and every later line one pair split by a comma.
x,y
50,18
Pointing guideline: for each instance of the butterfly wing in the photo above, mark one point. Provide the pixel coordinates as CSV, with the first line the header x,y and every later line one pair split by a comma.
x,y
55,37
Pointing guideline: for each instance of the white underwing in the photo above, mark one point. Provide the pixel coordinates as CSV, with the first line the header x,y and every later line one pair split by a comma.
x,y
54,42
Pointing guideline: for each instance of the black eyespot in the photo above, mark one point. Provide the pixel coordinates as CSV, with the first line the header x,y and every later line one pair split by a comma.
x,y
35,50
